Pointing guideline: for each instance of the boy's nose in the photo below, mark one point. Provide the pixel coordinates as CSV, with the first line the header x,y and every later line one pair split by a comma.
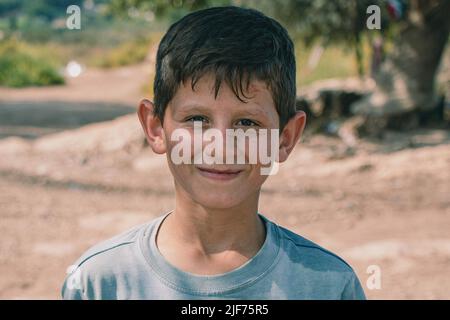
x,y
228,148
220,146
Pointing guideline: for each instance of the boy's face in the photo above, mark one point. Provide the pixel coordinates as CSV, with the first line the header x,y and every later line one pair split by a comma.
x,y
217,185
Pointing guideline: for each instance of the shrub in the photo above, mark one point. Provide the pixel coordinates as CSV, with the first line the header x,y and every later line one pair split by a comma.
x,y
19,68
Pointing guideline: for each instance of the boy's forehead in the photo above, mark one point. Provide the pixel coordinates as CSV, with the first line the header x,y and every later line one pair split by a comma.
x,y
204,89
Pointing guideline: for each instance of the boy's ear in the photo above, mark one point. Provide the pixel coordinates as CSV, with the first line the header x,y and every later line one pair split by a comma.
x,y
152,126
290,135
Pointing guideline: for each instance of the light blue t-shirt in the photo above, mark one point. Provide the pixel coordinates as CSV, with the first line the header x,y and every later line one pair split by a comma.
x,y
287,266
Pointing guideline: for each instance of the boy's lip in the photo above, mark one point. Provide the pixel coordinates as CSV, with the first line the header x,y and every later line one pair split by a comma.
x,y
219,174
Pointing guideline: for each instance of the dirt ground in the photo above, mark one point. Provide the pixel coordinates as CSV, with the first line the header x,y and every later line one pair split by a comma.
x,y
67,188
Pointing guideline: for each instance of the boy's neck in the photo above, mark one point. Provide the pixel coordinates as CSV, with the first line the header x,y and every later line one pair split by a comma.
x,y
209,234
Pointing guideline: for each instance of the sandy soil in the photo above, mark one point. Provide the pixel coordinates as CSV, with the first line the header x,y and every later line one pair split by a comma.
x,y
64,190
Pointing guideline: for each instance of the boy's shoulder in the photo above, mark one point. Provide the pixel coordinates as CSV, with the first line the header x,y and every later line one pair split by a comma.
x,y
106,249
319,267
97,268
310,254
300,249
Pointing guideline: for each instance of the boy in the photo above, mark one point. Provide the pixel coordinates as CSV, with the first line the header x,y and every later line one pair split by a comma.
x,y
224,69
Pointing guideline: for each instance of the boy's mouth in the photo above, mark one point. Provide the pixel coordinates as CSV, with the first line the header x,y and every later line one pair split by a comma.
x,y
219,174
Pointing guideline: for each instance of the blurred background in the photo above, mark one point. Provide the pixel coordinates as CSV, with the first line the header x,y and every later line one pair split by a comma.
x,y
369,181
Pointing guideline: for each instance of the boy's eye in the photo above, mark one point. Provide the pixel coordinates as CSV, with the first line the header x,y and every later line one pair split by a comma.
x,y
246,123
197,118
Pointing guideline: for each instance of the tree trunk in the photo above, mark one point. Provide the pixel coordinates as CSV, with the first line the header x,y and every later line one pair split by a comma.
x,y
406,79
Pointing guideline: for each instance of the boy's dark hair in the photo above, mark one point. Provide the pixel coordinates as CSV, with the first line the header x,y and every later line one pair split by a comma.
x,y
235,44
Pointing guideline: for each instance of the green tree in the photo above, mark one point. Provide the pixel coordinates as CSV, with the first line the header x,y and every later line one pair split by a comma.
x,y
44,9
163,8
405,80
329,22
419,34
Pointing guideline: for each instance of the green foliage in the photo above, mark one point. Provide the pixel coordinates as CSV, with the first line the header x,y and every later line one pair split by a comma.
x,y
336,62
127,53
171,9
338,21
308,21
331,22
18,68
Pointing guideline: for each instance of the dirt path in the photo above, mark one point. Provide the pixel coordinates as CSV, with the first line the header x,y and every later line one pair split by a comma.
x,y
121,86
96,95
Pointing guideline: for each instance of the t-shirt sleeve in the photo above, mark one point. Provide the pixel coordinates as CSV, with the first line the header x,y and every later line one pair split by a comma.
x,y
353,290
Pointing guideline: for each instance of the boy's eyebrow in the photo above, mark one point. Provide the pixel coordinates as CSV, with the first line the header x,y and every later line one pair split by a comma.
x,y
201,108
